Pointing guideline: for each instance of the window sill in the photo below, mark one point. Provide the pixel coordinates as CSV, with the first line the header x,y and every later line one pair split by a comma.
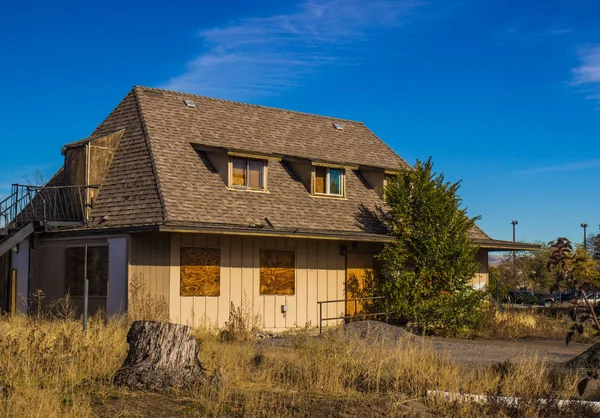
x,y
328,196
248,190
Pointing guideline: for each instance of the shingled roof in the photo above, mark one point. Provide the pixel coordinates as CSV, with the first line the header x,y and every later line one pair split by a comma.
x,y
158,178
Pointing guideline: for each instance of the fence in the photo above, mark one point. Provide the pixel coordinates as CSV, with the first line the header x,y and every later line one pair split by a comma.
x,y
356,314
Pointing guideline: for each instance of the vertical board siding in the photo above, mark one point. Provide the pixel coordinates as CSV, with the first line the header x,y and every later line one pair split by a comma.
x,y
481,278
320,275
150,261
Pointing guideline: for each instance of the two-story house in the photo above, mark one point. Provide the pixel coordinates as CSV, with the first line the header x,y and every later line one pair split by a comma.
x,y
208,202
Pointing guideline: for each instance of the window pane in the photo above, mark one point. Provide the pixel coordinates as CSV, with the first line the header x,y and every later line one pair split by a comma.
x,y
97,270
238,177
74,262
320,176
335,181
255,173
200,272
277,272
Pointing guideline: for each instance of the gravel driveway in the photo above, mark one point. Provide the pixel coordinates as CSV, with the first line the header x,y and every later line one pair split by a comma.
x,y
474,352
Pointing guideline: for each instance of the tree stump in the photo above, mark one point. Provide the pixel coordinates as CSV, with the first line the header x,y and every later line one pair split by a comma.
x,y
161,356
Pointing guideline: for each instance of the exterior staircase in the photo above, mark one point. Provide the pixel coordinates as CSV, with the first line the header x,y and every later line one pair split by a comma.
x,y
30,208
498,293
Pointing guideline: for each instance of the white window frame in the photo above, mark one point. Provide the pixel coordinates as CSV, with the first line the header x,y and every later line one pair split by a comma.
x,y
246,187
328,181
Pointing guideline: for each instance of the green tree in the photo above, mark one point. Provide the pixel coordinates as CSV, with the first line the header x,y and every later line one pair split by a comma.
x,y
593,245
428,267
527,270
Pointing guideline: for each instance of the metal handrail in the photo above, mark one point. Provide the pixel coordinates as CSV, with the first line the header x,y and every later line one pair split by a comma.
x,y
497,290
344,317
28,203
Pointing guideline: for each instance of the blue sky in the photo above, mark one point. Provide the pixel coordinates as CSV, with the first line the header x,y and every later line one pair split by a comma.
x,y
504,95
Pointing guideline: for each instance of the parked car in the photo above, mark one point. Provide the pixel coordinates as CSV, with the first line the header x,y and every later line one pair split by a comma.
x,y
593,298
548,300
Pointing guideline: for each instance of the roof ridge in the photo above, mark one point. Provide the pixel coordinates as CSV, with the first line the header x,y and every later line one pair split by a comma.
x,y
159,190
217,99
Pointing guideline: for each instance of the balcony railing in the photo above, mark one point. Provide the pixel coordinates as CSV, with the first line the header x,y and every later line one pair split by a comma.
x,y
50,206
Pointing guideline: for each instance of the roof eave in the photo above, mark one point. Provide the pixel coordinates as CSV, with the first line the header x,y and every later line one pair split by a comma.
x,y
272,232
499,245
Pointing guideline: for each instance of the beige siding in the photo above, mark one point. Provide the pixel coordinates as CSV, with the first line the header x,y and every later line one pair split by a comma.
x,y
320,275
149,259
481,278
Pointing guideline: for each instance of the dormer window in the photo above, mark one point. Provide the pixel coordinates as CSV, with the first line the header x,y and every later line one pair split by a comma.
x,y
248,173
328,181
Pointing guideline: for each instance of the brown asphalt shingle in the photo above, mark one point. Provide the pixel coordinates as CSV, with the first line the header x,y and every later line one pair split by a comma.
x,y
157,177
129,193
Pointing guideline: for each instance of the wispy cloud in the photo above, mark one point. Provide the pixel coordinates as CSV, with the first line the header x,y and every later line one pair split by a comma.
x,y
264,55
530,30
586,76
581,165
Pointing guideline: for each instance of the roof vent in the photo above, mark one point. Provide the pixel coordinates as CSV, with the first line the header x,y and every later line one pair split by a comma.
x,y
338,126
189,103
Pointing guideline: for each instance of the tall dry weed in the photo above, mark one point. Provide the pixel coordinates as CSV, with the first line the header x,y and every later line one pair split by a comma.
x,y
51,368
142,304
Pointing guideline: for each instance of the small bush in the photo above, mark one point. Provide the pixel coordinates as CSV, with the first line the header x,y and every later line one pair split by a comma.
x,y
241,324
143,305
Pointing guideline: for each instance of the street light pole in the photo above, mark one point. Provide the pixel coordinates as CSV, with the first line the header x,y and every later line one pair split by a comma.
x,y
584,226
514,224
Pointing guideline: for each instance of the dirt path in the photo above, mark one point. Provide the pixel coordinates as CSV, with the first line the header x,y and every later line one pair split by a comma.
x,y
482,352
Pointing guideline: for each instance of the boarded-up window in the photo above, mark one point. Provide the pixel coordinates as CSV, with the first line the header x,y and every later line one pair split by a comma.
x,y
200,272
277,272
97,270
239,172
255,173
248,173
320,179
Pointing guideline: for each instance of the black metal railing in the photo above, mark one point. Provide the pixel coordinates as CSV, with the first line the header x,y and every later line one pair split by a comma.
x,y
28,203
356,313
497,291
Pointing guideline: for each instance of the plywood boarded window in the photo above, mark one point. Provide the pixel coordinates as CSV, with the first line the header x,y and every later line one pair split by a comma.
x,y
277,272
200,272
320,179
97,270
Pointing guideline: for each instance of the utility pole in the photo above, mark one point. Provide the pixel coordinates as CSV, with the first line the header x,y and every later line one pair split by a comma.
x,y
584,226
514,224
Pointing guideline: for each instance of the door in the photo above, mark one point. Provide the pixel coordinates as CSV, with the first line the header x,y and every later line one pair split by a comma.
x,y
359,279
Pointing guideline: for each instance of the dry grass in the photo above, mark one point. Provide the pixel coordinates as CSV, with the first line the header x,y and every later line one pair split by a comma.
x,y
525,323
50,368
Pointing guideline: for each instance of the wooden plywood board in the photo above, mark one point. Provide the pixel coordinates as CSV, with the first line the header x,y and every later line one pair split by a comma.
x,y
75,166
359,274
108,141
200,271
277,272
100,159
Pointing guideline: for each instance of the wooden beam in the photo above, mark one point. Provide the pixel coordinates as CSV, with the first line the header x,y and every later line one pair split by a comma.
x,y
17,237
